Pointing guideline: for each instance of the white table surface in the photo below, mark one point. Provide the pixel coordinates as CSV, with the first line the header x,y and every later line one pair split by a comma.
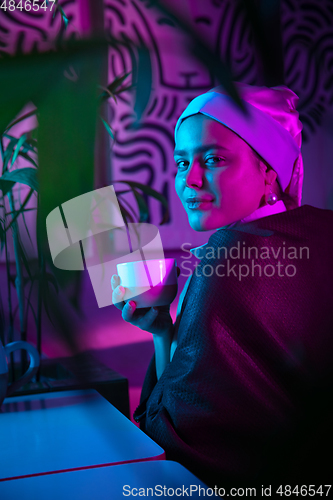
x,y
109,483
65,431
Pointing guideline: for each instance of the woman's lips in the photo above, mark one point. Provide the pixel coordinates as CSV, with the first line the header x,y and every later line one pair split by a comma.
x,y
199,203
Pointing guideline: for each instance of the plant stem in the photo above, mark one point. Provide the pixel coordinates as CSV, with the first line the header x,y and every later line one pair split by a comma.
x,y
41,271
10,311
19,283
39,311
10,307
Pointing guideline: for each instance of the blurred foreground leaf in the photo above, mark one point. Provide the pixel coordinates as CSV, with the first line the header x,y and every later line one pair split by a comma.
x,y
66,133
67,112
143,82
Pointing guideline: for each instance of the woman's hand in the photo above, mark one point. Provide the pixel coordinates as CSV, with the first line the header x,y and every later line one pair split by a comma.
x,y
156,320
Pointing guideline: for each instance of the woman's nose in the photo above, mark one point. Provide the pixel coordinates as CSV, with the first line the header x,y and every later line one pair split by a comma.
x,y
194,177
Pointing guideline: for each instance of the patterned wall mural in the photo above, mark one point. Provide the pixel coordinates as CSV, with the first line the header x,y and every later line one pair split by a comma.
x,y
29,29
145,154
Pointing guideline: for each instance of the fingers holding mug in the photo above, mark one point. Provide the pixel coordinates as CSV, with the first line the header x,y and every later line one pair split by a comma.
x,y
115,281
118,292
143,318
128,311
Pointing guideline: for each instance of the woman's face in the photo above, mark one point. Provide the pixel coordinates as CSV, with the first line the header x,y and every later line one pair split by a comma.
x,y
218,179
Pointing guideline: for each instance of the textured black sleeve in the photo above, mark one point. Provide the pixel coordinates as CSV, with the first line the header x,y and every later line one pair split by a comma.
x,y
147,388
234,404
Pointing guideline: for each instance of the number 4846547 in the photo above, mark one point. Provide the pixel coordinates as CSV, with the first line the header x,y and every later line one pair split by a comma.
x,y
27,5
304,490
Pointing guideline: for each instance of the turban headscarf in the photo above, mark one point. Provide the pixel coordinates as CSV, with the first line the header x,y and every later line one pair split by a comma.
x,y
271,126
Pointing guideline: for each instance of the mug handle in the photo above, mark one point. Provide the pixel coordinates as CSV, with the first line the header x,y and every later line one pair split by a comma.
x,y
33,367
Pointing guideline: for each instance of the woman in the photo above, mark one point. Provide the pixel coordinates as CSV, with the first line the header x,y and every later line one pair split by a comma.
x,y
237,388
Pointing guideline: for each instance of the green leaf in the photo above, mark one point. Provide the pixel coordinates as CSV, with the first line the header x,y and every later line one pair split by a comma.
x,y
24,210
113,88
143,82
166,218
106,94
147,190
8,153
153,193
62,13
108,128
142,206
125,191
125,214
27,176
21,209
28,145
125,202
19,144
124,89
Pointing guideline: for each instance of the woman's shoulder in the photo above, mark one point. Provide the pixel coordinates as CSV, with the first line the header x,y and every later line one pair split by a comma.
x,y
304,220
313,221
311,211
302,225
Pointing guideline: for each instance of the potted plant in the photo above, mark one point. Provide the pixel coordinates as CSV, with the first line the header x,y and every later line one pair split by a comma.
x,y
39,176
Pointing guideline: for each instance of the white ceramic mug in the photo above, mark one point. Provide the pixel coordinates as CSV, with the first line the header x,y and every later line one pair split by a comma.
x,y
5,389
149,283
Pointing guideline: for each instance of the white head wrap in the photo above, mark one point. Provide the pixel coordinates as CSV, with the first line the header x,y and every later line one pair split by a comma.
x,y
271,127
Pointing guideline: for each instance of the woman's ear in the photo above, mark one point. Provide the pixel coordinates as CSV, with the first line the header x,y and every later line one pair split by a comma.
x,y
270,176
262,167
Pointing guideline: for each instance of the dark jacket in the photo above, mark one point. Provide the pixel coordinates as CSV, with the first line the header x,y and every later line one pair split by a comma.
x,y
247,398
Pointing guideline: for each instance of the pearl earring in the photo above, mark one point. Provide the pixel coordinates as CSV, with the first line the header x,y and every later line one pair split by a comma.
x,y
271,198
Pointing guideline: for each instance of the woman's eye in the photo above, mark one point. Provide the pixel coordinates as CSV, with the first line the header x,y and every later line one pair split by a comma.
x,y
212,160
182,164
